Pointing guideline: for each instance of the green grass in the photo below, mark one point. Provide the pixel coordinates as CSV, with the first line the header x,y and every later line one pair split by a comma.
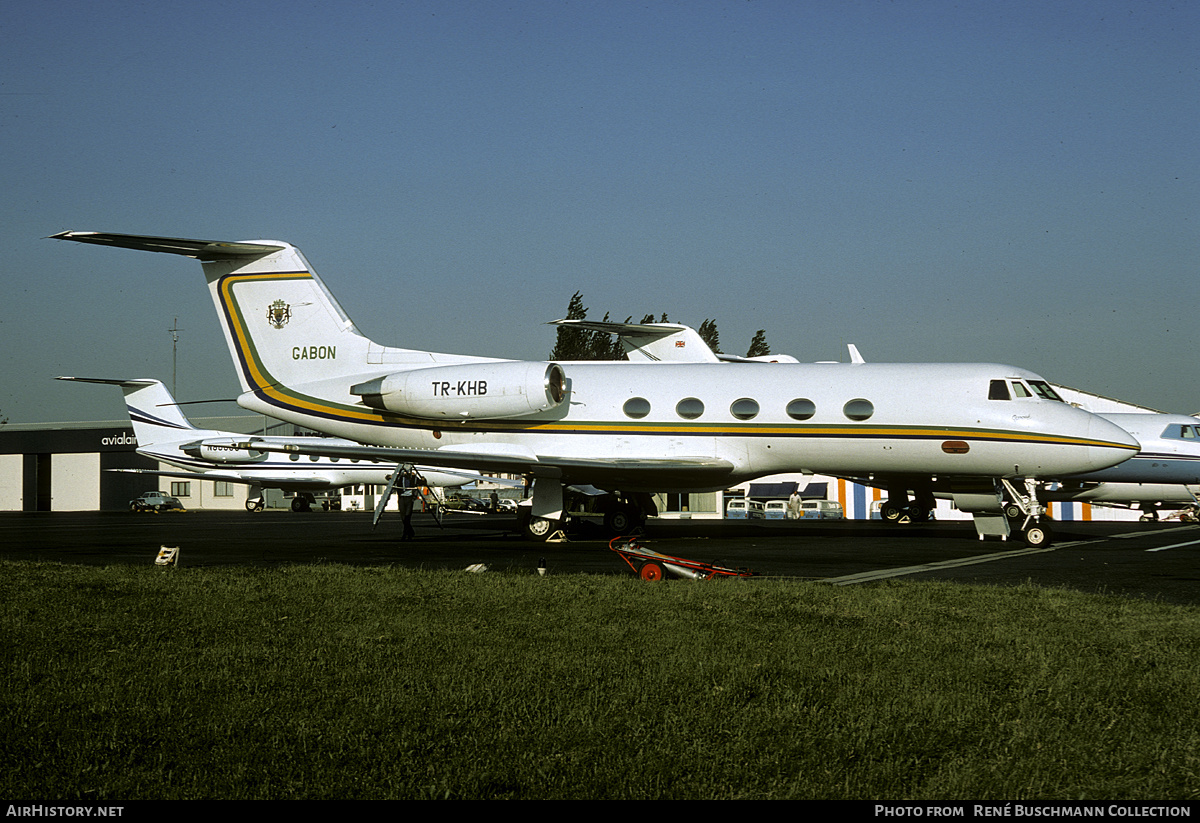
x,y
338,682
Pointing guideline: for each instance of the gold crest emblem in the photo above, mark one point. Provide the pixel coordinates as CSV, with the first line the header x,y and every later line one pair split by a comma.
x,y
278,313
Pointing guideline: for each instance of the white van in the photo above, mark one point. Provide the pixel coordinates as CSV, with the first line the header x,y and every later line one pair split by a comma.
x,y
744,510
775,510
821,510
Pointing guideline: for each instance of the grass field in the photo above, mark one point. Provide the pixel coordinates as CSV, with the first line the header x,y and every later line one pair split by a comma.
x,y
128,683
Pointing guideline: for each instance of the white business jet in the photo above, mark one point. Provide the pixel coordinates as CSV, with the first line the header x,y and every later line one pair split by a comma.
x,y
163,433
1163,475
631,428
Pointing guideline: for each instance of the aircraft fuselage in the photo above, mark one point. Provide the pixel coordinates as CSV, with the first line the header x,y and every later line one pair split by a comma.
x,y
932,419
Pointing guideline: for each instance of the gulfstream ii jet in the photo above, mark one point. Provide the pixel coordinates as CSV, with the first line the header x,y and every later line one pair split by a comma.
x,y
624,427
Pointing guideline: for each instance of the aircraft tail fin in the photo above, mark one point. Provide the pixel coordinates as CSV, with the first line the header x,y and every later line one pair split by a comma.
x,y
283,326
155,416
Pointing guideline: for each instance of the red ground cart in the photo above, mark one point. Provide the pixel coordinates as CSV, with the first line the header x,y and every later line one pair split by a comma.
x,y
651,565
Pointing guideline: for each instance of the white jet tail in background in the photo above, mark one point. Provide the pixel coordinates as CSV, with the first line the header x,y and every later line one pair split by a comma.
x,y
155,415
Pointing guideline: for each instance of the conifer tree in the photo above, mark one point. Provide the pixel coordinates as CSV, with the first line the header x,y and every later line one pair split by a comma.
x,y
572,343
708,333
758,346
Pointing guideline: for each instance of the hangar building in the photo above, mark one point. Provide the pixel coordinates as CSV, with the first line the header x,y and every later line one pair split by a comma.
x,y
61,467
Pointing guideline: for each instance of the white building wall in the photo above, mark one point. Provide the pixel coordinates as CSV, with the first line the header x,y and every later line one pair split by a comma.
x,y
10,482
75,482
202,494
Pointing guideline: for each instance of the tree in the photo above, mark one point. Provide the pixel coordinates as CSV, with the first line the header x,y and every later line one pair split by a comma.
x,y
582,344
758,346
708,333
649,318
573,343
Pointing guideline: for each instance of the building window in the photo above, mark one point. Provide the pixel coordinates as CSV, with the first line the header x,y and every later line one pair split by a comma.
x,y
678,502
222,488
181,488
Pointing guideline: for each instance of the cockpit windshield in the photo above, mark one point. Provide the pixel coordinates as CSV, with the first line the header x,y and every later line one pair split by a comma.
x,y
1184,432
1045,390
999,390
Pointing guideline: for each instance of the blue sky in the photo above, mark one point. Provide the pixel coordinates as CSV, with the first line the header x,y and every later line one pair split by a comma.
x,y
1011,182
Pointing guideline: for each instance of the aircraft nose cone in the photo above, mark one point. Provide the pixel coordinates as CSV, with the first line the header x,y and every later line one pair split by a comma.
x,y
1111,444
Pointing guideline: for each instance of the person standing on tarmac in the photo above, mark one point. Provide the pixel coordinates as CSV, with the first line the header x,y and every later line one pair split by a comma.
x,y
407,499
410,481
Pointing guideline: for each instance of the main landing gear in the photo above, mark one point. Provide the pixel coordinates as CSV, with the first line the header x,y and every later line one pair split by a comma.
x,y
545,516
1002,509
900,509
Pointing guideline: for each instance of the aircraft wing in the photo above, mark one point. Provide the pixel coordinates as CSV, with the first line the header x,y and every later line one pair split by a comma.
x,y
285,482
610,472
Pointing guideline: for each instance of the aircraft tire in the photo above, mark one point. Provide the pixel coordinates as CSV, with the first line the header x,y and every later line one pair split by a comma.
x,y
1037,536
651,571
890,512
619,521
540,529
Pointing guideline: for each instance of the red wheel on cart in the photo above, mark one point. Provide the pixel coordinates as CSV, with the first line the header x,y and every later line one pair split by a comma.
x,y
651,571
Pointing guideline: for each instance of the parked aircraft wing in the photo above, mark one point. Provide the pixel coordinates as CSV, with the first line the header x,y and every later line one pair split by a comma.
x,y
630,473
286,482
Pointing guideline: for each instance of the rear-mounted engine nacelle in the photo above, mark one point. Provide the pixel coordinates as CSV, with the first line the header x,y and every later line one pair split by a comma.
x,y
223,450
470,391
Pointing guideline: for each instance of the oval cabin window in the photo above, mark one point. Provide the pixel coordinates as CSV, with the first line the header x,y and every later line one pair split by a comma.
x,y
859,409
636,407
801,409
744,409
689,408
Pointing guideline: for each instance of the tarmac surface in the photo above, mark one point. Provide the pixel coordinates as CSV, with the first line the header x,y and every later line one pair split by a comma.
x,y
1154,561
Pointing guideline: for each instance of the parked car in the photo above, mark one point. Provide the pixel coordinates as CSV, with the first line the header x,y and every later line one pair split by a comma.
x,y
155,502
465,503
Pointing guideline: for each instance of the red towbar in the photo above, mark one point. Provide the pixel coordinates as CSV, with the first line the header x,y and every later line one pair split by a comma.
x,y
652,565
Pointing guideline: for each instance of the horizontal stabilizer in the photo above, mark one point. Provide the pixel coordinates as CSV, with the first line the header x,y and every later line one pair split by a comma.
x,y
651,342
111,381
199,249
